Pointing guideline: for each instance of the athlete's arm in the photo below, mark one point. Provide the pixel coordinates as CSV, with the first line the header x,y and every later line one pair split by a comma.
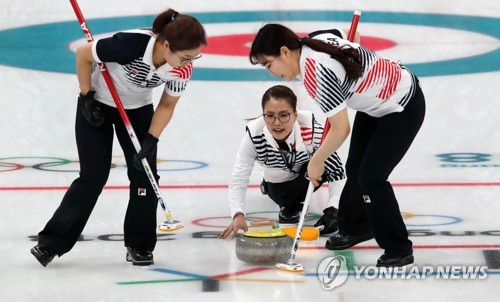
x,y
84,60
163,114
340,128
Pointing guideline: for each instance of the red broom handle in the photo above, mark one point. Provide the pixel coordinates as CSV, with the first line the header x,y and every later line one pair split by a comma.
x,y
107,77
121,110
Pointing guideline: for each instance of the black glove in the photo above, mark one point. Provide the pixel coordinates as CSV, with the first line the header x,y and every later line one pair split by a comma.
x,y
148,150
329,221
90,108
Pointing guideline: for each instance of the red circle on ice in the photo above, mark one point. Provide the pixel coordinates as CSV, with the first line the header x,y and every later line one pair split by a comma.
x,y
239,45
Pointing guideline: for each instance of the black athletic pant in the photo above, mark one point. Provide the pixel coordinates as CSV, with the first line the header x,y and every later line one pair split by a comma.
x,y
291,194
95,147
377,146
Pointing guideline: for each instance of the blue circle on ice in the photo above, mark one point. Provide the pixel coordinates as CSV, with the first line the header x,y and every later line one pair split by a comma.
x,y
45,46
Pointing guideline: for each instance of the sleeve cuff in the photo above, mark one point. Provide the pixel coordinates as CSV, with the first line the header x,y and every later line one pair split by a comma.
x,y
94,51
336,110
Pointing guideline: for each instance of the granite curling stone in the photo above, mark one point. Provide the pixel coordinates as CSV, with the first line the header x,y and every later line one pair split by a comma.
x,y
264,246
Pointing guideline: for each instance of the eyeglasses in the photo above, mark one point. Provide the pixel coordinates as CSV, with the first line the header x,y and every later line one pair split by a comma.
x,y
184,61
283,117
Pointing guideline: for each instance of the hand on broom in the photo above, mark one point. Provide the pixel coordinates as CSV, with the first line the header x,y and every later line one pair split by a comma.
x,y
315,171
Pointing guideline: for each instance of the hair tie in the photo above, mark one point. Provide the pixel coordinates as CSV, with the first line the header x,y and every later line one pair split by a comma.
x,y
174,15
301,40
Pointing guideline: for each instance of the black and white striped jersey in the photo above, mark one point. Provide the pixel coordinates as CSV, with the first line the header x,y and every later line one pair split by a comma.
x,y
129,60
385,86
278,165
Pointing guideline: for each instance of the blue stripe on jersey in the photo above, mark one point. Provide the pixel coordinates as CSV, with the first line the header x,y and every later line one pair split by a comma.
x,y
176,86
137,73
367,57
329,94
414,82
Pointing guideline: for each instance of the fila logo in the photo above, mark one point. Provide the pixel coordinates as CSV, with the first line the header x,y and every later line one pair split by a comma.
x,y
366,198
141,192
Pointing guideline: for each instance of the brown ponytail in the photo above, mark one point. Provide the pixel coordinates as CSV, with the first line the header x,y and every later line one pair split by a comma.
x,y
182,32
271,37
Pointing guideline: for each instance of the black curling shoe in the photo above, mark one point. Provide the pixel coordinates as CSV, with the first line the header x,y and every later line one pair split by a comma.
x,y
342,242
44,254
139,256
388,260
288,216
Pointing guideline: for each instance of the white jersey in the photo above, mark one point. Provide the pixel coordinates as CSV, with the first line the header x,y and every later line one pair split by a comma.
x,y
278,165
129,59
385,86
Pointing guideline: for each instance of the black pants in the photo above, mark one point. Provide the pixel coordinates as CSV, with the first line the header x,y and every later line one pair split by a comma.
x,y
95,152
377,146
291,194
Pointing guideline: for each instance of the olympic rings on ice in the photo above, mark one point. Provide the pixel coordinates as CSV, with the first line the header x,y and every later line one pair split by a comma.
x,y
58,164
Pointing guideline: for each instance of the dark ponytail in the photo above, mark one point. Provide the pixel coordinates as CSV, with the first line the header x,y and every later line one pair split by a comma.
x,y
271,37
182,32
345,55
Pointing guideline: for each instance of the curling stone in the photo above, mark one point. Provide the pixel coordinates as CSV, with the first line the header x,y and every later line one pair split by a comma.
x,y
264,246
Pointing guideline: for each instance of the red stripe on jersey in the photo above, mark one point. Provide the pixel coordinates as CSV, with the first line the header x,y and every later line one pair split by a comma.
x,y
183,72
310,77
306,134
385,73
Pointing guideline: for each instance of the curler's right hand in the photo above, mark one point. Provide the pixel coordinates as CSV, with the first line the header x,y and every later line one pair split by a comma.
x,y
238,223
